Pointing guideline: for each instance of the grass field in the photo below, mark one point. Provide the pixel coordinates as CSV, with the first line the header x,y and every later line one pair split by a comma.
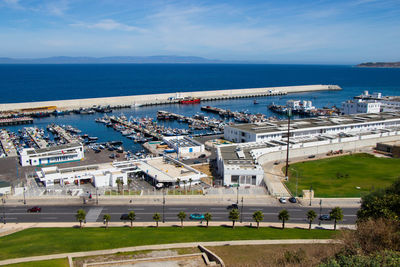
x,y
43,241
47,263
340,176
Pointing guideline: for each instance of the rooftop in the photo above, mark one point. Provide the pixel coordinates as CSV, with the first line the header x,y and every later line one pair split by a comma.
x,y
279,126
51,149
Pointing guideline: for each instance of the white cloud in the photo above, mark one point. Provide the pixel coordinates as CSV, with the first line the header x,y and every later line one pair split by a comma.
x,y
108,25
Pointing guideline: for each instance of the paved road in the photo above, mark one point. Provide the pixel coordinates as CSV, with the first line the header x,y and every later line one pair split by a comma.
x,y
144,213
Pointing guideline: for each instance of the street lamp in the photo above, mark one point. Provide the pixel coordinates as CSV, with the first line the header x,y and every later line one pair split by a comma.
x,y
4,210
163,207
97,197
289,114
310,194
320,211
241,212
237,197
24,196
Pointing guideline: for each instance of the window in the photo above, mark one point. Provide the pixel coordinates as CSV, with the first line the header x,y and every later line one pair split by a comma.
x,y
254,180
235,179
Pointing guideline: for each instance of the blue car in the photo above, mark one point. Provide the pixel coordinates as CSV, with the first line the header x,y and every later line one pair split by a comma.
x,y
196,216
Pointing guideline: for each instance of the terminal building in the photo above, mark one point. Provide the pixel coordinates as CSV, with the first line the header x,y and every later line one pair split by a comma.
x,y
258,144
360,106
184,145
51,155
320,126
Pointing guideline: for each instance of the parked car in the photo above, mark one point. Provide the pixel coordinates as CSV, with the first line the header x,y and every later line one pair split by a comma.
x,y
196,216
233,206
112,156
325,217
35,209
196,162
202,156
311,156
292,200
124,217
282,200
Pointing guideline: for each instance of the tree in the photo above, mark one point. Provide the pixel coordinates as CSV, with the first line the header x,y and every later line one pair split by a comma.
x,y
106,219
234,216
181,216
131,217
130,181
184,185
311,215
157,218
80,216
283,216
336,214
178,181
381,203
258,216
190,183
120,184
207,217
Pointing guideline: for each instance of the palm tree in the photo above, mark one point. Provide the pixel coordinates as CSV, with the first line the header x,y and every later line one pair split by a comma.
x,y
184,185
178,181
336,214
106,219
234,216
130,181
283,216
258,216
157,218
207,217
131,217
311,215
119,182
181,216
80,216
190,183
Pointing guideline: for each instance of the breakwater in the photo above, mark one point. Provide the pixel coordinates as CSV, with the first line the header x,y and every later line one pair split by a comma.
x,y
166,98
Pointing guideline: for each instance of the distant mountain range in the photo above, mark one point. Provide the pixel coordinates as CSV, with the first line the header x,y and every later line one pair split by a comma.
x,y
379,65
110,60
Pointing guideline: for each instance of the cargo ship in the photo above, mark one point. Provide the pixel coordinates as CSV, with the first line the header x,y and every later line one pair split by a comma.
x,y
189,100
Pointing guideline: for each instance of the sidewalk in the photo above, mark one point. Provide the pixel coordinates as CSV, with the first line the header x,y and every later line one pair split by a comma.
x,y
164,246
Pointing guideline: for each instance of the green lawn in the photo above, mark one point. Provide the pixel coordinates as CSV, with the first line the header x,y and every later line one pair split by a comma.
x,y
340,176
47,263
43,241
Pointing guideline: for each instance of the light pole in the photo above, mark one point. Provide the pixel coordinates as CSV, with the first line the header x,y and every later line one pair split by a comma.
x,y
241,212
97,197
320,211
163,207
310,194
4,210
24,196
237,197
289,114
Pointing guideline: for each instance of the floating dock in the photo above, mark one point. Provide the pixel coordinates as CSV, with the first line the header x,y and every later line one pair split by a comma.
x,y
15,121
168,98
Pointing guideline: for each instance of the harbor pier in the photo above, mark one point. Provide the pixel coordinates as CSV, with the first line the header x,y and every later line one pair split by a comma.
x,y
166,98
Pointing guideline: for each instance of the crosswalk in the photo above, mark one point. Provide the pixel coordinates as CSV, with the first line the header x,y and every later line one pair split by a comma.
x,y
93,214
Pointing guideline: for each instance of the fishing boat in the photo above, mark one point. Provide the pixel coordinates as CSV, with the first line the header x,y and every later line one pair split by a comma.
x,y
255,102
190,100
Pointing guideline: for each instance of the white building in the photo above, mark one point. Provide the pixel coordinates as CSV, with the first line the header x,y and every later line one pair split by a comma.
x,y
360,106
184,145
237,167
160,169
276,130
51,155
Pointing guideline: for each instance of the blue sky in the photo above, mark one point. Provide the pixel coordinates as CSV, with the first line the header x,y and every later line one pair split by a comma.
x,y
281,31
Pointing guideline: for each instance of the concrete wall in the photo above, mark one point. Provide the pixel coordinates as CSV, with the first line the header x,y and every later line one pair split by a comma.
x,y
143,99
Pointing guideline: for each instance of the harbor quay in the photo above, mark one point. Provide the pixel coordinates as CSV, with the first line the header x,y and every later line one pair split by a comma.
x,y
166,98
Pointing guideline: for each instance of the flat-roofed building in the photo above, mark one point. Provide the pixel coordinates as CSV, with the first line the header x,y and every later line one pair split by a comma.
x,y
276,130
51,155
184,145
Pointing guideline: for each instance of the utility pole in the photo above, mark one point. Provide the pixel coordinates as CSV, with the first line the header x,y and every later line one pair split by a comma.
x,y
241,212
310,194
163,207
97,197
24,196
289,114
